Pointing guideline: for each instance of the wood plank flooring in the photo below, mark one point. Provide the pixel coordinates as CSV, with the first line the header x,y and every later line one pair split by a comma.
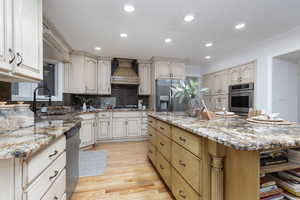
x,y
129,176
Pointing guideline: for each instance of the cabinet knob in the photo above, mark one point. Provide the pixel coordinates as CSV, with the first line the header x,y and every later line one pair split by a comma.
x,y
21,60
182,163
55,174
181,193
13,56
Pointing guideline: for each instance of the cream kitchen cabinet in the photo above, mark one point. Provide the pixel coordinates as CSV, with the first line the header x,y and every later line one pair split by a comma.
x,y
167,70
104,77
243,74
103,129
67,83
90,75
119,127
21,42
28,38
133,127
220,80
6,53
145,79
76,72
87,131
220,102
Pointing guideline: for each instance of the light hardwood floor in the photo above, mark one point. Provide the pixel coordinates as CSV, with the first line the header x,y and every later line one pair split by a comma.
x,y
129,176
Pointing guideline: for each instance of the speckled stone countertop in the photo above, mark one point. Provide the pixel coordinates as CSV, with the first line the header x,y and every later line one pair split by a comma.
x,y
237,133
22,136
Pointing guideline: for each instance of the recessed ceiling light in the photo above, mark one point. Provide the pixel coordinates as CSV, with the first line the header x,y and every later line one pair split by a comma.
x,y
240,26
123,35
189,18
209,44
98,48
207,57
168,40
129,8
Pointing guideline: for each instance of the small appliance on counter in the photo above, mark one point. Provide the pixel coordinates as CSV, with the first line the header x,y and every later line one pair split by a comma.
x,y
241,98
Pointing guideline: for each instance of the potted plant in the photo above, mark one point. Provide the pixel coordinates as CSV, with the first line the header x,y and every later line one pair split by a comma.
x,y
189,91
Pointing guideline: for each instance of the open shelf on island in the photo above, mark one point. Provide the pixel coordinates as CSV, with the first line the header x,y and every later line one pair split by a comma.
x,y
278,168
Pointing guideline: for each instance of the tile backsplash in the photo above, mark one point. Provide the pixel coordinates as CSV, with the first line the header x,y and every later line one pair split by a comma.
x,y
121,95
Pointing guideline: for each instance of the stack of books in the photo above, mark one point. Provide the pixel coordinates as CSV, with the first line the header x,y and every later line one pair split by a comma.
x,y
273,158
290,182
294,155
269,189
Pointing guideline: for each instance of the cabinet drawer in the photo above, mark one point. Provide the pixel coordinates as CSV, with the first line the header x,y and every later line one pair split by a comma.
x,y
39,187
181,190
188,165
191,142
164,169
152,122
126,114
58,189
153,135
164,128
163,145
152,153
35,165
104,115
87,116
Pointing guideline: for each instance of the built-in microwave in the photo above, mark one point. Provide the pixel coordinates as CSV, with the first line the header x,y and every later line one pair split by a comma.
x,y
241,98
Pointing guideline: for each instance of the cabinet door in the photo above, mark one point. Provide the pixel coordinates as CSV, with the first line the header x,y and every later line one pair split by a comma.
x,y
28,38
216,82
76,74
224,86
66,77
235,76
104,128
119,128
211,84
6,35
133,127
90,75
162,70
248,73
104,76
178,70
87,133
145,79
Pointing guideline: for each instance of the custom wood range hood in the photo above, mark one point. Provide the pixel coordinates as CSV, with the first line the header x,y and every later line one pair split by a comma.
x,y
125,71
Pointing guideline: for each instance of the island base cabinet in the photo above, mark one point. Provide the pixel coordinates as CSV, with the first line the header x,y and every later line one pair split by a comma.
x,y
152,153
181,190
164,169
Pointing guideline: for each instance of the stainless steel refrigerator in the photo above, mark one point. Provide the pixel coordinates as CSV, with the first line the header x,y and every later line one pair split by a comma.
x,y
165,102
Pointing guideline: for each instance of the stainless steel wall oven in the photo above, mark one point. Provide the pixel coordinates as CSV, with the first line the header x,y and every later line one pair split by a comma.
x,y
241,98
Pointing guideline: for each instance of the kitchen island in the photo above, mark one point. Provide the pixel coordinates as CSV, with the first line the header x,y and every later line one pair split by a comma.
x,y
215,160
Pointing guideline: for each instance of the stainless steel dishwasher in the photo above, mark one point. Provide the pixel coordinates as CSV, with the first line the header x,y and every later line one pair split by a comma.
x,y
72,152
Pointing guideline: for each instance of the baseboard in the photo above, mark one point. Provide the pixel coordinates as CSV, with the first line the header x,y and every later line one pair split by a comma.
x,y
123,140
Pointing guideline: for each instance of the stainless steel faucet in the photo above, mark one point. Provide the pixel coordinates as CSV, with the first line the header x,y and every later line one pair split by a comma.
x,y
34,109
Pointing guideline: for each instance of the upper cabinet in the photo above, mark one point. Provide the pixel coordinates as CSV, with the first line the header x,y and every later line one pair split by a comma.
x,y
220,82
243,74
21,42
104,77
6,52
90,73
168,69
86,75
145,79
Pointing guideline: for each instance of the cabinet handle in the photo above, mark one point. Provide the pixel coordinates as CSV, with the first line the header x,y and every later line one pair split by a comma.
x,y
161,167
51,155
182,163
55,174
161,144
181,193
150,152
162,128
55,198
21,61
14,56
182,139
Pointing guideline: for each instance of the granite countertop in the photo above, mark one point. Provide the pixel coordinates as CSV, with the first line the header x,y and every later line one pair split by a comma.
x,y
237,133
25,141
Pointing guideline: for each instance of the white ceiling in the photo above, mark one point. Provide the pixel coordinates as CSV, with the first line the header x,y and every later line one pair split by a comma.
x,y
292,57
89,23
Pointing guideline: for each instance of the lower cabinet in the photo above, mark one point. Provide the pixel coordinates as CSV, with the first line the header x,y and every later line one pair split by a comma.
x,y
103,129
177,159
110,126
87,135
